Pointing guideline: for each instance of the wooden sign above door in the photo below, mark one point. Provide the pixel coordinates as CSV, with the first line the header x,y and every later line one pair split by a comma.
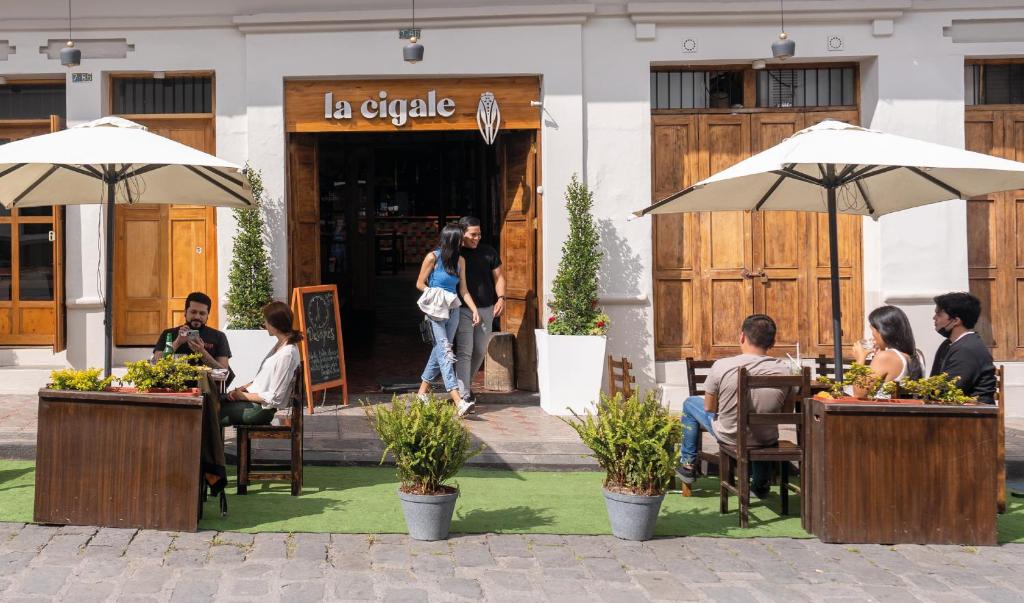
x,y
393,105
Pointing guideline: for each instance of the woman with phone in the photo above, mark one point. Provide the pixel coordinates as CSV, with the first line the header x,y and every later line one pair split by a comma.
x,y
257,402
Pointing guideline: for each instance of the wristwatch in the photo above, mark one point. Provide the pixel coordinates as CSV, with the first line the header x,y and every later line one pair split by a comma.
x,y
501,297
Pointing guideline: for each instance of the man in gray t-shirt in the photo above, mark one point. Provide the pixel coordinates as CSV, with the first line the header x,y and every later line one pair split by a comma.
x,y
717,411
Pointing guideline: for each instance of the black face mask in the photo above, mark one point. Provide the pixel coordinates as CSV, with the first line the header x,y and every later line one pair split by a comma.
x,y
945,331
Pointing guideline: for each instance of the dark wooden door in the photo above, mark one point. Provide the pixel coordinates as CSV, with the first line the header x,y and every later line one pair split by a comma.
x,y
303,212
517,157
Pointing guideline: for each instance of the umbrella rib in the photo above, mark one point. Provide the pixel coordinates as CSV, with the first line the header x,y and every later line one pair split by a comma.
x,y
32,187
81,171
769,193
672,197
867,173
218,184
936,181
846,171
143,170
864,195
234,181
12,168
790,173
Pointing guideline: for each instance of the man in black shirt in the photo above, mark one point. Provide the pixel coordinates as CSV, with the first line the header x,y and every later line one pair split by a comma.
x,y
963,354
209,342
486,284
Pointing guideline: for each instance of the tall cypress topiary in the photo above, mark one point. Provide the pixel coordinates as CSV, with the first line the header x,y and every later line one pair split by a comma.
x,y
574,306
249,284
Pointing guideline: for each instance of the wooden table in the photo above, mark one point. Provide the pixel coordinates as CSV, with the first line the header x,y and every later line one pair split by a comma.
x,y
118,460
891,473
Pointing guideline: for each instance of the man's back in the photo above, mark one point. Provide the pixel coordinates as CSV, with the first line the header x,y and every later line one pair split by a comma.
x,y
722,381
969,359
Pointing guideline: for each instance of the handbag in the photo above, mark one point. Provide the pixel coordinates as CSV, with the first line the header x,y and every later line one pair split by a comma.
x,y
426,331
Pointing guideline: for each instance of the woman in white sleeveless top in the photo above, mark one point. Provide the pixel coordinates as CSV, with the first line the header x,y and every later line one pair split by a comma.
x,y
895,354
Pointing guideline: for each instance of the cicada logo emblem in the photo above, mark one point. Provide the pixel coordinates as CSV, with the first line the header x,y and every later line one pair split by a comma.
x,y
488,117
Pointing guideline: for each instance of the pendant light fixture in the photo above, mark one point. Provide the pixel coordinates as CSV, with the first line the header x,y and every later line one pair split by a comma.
x,y
413,51
783,48
69,55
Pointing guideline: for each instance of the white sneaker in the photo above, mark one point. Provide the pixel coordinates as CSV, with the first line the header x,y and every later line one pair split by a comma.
x,y
464,407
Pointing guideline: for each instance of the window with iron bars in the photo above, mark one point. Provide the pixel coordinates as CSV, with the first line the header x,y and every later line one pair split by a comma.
x,y
32,101
696,89
173,94
812,87
994,84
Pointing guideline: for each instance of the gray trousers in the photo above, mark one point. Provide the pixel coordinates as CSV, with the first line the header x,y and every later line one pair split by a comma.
x,y
471,345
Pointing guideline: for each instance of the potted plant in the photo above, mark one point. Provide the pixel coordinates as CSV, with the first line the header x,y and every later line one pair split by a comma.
x,y
570,352
429,445
84,380
636,442
165,376
939,389
249,286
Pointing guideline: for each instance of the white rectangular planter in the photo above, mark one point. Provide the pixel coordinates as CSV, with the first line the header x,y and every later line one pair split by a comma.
x,y
570,369
248,349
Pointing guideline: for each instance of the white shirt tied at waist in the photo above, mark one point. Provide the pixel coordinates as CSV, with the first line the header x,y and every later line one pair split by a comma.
x,y
438,303
273,381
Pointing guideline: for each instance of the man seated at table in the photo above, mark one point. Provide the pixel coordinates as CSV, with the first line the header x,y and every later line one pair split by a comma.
x,y
718,410
211,343
963,354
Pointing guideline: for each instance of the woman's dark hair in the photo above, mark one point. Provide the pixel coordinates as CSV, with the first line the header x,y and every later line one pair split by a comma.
x,y
451,242
279,315
894,327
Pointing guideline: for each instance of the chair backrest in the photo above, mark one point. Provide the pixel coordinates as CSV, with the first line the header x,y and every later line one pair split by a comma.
x,y
797,388
1000,400
619,377
826,365
697,374
298,398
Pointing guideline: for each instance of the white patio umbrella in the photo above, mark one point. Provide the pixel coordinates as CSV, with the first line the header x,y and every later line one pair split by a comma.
x,y
113,160
870,172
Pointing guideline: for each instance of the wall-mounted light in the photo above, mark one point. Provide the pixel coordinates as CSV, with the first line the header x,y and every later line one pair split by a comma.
x,y
159,75
413,51
758,64
69,55
784,47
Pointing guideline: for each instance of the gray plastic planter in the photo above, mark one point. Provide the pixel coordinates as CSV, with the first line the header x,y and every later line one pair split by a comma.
x,y
428,517
632,517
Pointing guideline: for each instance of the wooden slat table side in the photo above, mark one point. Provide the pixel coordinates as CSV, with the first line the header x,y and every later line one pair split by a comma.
x,y
118,460
892,473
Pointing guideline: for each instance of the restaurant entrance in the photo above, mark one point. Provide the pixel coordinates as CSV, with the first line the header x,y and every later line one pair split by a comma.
x,y
369,195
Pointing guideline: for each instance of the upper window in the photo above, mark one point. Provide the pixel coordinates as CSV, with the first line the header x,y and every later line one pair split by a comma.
x,y
994,84
825,87
31,101
696,89
173,94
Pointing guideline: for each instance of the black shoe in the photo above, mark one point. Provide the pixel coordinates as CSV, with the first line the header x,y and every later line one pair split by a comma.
x,y
687,473
762,492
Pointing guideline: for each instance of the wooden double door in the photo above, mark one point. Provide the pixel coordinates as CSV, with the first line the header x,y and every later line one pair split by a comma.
x,y
995,235
713,269
515,187
164,252
32,260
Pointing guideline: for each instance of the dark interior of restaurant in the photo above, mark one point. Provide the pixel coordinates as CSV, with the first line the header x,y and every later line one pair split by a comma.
x,y
383,199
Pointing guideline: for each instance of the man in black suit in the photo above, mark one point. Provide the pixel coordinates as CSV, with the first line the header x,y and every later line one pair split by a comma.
x,y
963,354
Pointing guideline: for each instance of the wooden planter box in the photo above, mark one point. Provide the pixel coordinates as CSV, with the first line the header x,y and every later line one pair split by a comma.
x,y
113,459
900,472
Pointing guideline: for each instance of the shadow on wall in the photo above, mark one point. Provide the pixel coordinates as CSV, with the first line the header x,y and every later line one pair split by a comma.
x,y
622,276
276,236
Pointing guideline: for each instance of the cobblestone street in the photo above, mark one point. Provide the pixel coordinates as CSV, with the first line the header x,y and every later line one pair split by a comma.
x,y
42,563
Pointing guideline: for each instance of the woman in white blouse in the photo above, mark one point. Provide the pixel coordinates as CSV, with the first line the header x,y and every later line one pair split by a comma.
x,y
256,402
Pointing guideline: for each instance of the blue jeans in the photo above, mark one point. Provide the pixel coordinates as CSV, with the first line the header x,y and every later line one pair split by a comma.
x,y
442,358
696,418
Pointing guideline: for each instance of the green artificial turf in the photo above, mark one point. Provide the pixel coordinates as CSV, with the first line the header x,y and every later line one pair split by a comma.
x,y
364,500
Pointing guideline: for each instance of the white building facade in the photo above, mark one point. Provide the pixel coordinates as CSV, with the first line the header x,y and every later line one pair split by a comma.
x,y
588,67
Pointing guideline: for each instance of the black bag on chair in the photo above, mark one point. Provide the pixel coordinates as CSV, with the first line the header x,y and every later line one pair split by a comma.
x,y
426,331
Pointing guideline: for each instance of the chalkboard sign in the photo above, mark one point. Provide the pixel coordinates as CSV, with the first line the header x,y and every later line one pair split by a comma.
x,y
323,352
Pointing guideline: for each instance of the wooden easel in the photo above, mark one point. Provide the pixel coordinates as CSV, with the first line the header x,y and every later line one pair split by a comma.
x,y
312,380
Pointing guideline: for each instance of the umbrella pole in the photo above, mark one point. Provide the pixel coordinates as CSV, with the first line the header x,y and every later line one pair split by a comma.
x,y
833,260
108,311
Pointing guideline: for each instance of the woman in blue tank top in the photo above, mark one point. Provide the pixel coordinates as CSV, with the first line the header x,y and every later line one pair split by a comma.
x,y
444,269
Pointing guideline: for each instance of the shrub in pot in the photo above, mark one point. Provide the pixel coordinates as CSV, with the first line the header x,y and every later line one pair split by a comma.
x,y
169,374
429,445
636,442
570,352
84,380
938,389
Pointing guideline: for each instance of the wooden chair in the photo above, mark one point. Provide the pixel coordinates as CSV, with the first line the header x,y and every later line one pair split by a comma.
x,y
826,365
620,380
735,460
696,375
1000,399
249,472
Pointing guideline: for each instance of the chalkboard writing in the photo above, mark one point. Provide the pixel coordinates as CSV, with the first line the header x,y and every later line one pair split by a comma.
x,y
321,336
322,349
